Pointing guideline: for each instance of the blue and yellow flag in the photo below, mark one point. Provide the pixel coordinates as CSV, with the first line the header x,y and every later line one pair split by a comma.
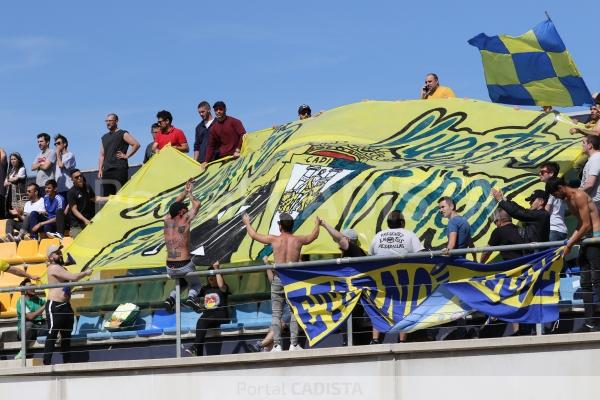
x,y
532,69
420,293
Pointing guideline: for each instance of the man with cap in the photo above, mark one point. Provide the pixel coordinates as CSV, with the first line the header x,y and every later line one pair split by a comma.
x,y
304,111
226,135
35,322
347,241
392,242
287,248
583,208
177,240
59,313
535,221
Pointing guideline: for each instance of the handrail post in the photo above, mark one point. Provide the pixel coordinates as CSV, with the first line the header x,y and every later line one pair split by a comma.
x,y
177,318
23,323
349,332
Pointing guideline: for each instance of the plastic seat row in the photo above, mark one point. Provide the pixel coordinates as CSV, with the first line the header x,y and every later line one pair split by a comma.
x,y
28,251
90,326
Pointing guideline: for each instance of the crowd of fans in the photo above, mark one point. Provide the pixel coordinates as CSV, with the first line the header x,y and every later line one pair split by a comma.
x,y
61,198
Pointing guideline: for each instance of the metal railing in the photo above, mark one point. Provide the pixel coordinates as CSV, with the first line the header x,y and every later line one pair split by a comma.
x,y
265,267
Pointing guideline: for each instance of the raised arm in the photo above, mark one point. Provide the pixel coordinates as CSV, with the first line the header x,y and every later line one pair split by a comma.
x,y
336,235
220,281
19,272
69,276
264,239
313,235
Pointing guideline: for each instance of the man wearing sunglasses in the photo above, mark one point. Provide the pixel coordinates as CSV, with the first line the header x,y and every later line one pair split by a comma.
x,y
535,221
82,203
65,162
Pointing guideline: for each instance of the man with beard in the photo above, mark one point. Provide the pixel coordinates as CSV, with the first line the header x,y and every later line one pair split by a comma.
x,y
59,312
114,153
226,135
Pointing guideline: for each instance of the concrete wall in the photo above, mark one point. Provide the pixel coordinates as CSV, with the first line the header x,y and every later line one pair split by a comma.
x,y
548,367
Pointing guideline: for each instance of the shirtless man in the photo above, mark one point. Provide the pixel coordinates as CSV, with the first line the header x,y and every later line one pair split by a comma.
x,y
583,208
59,313
286,249
177,240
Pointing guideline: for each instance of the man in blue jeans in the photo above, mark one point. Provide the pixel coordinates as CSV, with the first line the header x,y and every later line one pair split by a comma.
x,y
52,221
177,240
286,248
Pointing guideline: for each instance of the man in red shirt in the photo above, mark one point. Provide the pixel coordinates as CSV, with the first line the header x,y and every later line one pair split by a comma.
x,y
226,135
169,134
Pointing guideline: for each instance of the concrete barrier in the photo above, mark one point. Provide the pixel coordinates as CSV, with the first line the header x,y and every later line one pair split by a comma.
x,y
545,367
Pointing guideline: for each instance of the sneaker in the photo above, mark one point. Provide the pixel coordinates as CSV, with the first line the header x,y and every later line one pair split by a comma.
x,y
54,235
10,238
276,348
193,303
374,341
169,304
191,351
255,347
295,347
19,355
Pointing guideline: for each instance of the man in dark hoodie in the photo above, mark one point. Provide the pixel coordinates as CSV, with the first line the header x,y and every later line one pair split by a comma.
x,y
535,221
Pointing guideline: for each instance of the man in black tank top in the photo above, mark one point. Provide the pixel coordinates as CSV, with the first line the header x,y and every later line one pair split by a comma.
x,y
114,153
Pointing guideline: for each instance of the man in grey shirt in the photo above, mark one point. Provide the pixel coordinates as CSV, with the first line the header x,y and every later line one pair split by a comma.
x,y
556,207
590,182
45,162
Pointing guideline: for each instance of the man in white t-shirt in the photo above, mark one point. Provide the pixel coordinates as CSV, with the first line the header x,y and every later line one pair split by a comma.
x,y
396,240
590,182
35,203
556,207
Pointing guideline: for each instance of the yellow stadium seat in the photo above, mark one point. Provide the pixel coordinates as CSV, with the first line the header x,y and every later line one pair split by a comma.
x,y
11,309
66,242
10,280
4,303
37,269
44,244
8,253
27,250
2,227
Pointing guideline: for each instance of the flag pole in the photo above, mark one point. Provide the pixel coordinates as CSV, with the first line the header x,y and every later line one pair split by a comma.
x,y
547,15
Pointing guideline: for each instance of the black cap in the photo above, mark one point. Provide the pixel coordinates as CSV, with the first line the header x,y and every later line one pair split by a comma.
x,y
538,194
303,109
219,104
176,207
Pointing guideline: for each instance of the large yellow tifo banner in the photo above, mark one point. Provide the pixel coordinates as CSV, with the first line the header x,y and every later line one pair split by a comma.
x,y
351,166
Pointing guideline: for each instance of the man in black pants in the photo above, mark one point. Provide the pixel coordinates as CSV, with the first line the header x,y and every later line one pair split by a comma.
x,y
215,310
59,313
114,153
584,209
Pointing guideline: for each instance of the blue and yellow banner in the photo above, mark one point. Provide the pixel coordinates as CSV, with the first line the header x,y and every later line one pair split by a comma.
x,y
351,166
419,293
531,69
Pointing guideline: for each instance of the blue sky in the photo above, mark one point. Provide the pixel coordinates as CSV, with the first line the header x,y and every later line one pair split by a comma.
x,y
66,64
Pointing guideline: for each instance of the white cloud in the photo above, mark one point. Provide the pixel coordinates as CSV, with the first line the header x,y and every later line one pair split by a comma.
x,y
27,52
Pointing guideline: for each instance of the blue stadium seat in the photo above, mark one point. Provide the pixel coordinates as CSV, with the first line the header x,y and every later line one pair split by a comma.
x,y
87,324
161,320
264,316
188,322
245,315
233,325
568,289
